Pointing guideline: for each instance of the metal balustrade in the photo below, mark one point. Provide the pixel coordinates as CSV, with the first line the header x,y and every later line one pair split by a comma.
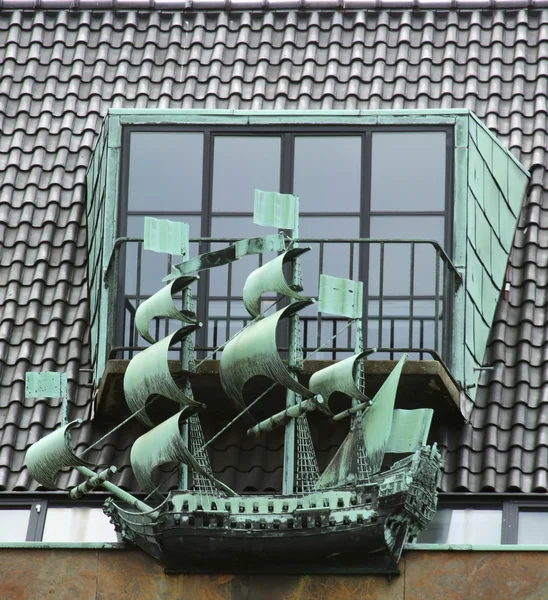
x,y
408,290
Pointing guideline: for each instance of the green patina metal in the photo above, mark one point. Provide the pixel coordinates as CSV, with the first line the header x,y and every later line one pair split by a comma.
x,y
377,421
95,195
488,187
375,424
48,385
46,457
477,547
269,243
161,445
285,416
162,304
163,235
495,186
364,508
409,431
45,385
255,352
271,278
340,377
148,375
275,242
272,209
92,483
342,297
342,469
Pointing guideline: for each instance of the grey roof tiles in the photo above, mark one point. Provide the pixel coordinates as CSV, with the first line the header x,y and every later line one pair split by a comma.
x,y
60,70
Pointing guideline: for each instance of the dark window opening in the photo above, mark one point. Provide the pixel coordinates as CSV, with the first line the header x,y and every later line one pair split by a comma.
x,y
353,183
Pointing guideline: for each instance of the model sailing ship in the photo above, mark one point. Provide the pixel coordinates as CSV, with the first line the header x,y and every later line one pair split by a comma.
x,y
347,515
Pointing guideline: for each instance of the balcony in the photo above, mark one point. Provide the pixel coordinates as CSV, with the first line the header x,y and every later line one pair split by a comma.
x,y
416,300
409,286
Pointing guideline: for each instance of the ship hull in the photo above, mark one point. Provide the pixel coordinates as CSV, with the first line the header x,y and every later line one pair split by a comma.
x,y
352,528
184,548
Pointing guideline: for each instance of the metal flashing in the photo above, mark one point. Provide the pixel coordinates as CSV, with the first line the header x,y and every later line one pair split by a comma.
x,y
496,141
477,547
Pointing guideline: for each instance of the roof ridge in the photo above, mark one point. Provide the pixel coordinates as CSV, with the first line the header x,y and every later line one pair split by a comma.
x,y
228,5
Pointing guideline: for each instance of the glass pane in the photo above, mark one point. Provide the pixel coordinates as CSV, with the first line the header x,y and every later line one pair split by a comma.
x,y
165,171
240,165
78,525
475,526
328,173
154,265
397,266
532,527
408,171
438,529
464,526
14,523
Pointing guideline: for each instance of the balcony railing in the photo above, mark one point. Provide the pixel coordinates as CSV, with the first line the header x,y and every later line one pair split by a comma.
x,y
408,291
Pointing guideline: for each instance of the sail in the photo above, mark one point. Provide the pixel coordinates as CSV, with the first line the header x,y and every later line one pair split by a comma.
x,y
148,374
46,457
254,352
271,278
339,377
161,445
343,467
377,420
161,304
410,429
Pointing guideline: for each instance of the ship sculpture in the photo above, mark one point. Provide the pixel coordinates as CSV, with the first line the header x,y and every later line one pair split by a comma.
x,y
356,514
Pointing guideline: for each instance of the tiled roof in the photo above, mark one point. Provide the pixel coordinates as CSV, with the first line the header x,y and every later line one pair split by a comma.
x,y
61,70
230,5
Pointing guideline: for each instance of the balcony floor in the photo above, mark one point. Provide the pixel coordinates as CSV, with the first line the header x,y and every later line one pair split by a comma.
x,y
423,384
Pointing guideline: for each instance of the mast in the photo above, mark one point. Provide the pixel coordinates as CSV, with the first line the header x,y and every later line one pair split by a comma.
x,y
188,364
282,211
294,364
163,304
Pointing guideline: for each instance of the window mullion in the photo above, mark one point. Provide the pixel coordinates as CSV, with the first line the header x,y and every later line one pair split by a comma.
x,y
286,164
510,512
365,226
202,304
36,520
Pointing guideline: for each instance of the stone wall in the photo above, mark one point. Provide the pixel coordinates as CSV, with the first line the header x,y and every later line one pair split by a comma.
x,y
35,574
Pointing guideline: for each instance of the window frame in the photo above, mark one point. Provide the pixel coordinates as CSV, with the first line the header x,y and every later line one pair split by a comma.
x,y
474,504
287,132
39,506
507,503
510,517
37,514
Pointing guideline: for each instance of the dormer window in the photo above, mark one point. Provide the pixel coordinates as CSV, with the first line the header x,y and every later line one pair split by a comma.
x,y
420,207
353,182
